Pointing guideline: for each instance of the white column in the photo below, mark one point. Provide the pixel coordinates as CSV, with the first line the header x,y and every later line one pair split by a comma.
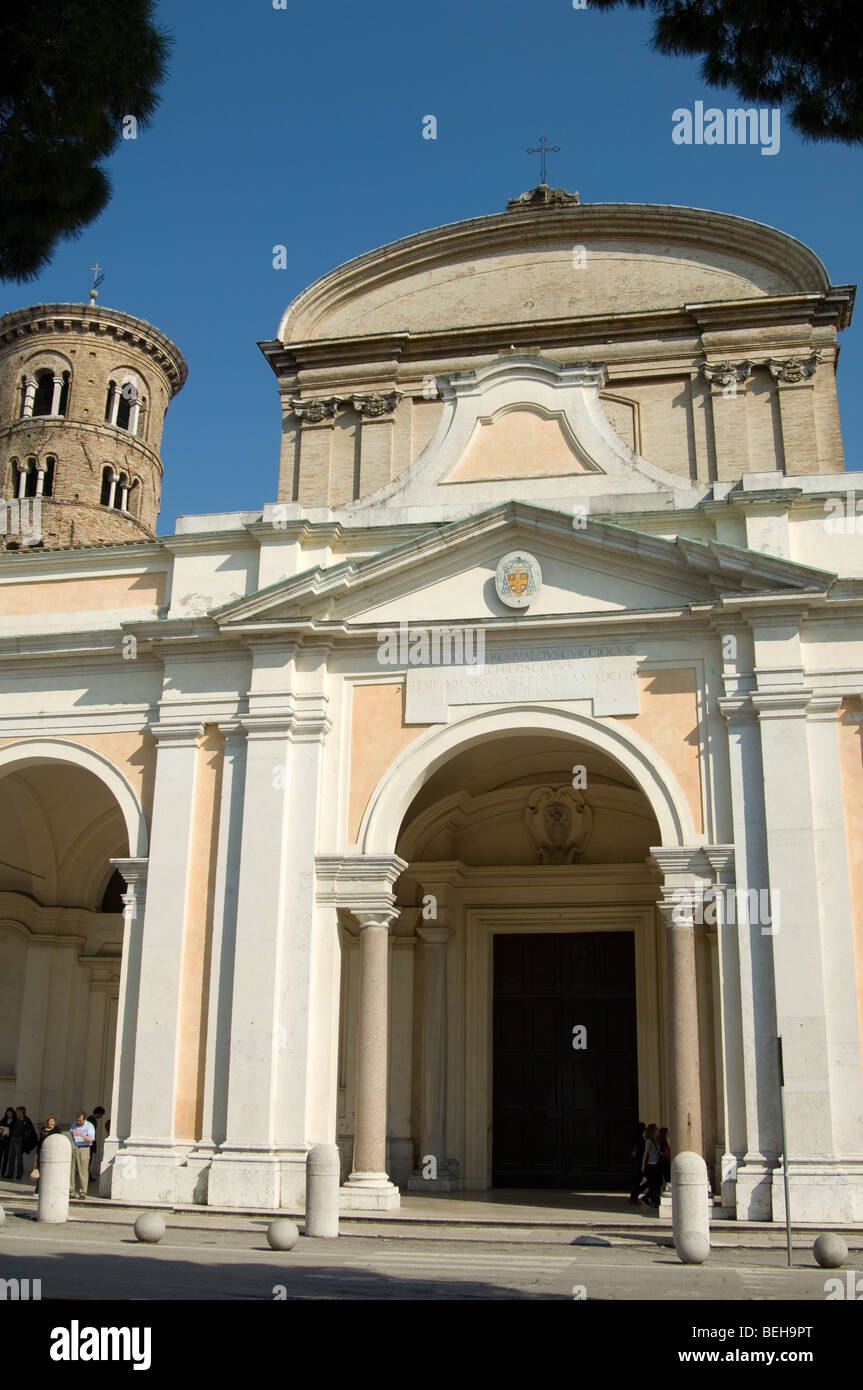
x,y
114,404
151,1140
22,480
752,1135
362,885
112,490
134,871
29,397
246,1170
124,497
433,1063
228,861
368,1183
56,394
684,1054
134,411
811,1004
41,469
837,927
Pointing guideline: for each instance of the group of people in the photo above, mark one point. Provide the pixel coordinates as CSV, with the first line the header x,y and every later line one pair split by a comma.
x,y
651,1158
18,1138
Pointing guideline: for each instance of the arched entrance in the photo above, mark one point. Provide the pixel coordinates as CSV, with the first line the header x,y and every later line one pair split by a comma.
x,y
65,814
528,1009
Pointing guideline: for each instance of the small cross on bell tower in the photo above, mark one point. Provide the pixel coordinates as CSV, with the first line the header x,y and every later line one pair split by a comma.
x,y
98,277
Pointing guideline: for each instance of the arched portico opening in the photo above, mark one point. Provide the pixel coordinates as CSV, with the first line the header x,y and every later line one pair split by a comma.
x,y
388,804
66,815
510,919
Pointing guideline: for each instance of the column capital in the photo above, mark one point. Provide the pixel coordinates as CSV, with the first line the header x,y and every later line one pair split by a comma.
x,y
316,410
134,871
825,707
725,377
683,862
435,936
232,729
721,860
782,704
737,709
359,883
794,371
177,735
299,725
375,917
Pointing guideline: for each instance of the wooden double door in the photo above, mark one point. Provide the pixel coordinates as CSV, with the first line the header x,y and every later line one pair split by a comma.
x,y
565,1077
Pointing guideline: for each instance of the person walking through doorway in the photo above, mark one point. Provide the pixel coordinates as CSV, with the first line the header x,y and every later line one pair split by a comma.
x,y
651,1164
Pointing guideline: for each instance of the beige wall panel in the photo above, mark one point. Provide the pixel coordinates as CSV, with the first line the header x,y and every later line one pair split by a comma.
x,y
73,595
668,721
378,735
197,937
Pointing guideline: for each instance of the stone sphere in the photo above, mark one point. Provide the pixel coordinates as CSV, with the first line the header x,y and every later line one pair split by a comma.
x,y
830,1251
692,1248
282,1234
150,1227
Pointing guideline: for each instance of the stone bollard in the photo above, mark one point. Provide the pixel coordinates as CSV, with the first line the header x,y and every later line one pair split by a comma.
x,y
690,1214
323,1170
282,1234
55,1167
830,1251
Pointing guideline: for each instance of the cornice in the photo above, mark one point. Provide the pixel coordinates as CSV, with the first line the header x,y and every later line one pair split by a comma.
x,y
132,556
96,318
751,241
721,566
687,321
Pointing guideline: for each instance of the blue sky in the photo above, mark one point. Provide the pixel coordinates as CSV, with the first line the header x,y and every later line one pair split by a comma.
x,y
303,127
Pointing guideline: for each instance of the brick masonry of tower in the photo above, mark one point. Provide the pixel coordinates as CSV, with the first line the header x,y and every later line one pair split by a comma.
x,y
89,346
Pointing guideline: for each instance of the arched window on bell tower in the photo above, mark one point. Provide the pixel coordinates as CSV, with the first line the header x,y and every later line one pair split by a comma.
x,y
48,476
109,486
45,392
30,478
124,404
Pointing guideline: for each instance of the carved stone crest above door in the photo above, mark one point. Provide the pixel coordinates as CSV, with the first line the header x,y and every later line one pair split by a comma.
x,y
559,822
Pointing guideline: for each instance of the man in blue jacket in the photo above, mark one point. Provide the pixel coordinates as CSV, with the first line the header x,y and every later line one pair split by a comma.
x,y
82,1135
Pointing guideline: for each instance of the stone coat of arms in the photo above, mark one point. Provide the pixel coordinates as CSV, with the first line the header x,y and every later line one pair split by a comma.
x,y
559,822
518,579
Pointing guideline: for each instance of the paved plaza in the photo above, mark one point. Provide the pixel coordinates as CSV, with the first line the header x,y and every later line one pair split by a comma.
x,y
99,1260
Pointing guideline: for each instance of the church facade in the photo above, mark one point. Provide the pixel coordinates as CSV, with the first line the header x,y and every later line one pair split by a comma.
x,y
497,785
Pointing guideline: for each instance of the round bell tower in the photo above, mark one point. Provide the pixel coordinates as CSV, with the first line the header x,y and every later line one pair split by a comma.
x,y
83,394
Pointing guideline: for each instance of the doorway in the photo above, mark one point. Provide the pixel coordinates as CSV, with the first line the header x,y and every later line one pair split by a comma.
x,y
565,1070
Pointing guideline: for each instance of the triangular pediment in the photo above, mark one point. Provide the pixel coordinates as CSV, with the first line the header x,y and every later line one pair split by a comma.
x,y
585,567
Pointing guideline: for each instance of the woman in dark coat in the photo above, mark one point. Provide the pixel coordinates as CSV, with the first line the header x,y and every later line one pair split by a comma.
x,y
4,1141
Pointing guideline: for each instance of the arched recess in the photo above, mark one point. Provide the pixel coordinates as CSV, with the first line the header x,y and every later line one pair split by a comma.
x,y
389,803
33,752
